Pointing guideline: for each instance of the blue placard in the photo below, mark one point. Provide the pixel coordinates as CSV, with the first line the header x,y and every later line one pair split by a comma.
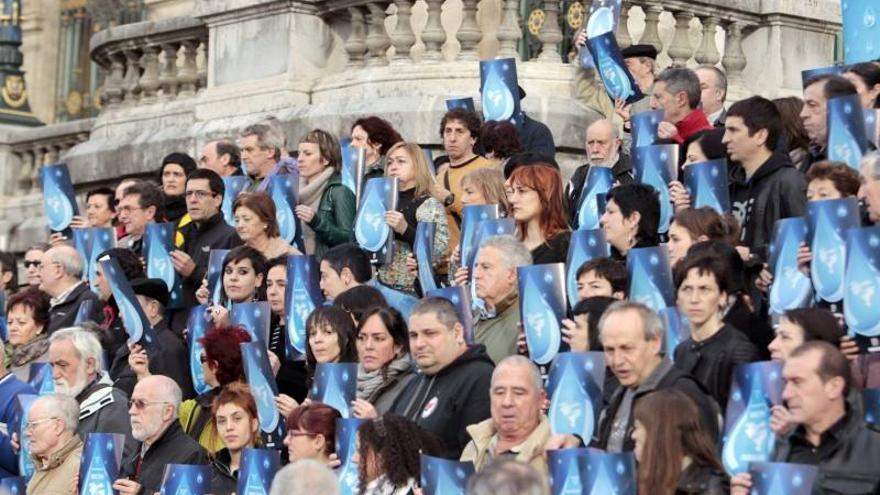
x,y
872,130
423,250
197,327
847,137
85,312
747,435
335,385
186,479
136,323
707,184
609,473
370,229
59,202
346,445
566,468
861,31
354,164
301,296
782,478
831,70
460,297
233,185
13,485
158,245
542,306
258,468
443,476
499,91
603,17
401,301
585,245
644,127
791,288
214,274
101,460
861,296
89,243
465,103
656,166
575,390
284,190
618,82
675,329
650,277
471,216
255,318
4,332
871,400
25,462
261,380
828,221
41,378
599,181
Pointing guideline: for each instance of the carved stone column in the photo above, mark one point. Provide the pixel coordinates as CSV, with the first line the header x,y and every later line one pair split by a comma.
x,y
509,32
651,35
623,38
433,35
377,38
355,44
469,33
734,60
680,50
168,75
149,81
708,52
403,37
187,75
550,35
131,84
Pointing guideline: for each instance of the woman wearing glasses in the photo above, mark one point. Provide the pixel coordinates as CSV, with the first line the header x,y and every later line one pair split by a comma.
x,y
311,431
237,424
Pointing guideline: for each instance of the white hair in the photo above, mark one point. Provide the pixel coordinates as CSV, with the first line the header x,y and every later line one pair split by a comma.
x,y
63,407
872,162
85,343
305,476
521,361
514,253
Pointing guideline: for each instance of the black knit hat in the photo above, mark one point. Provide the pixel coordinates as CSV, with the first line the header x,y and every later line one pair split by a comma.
x,y
154,288
182,159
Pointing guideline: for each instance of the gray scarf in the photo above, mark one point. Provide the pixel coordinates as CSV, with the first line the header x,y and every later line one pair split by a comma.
x,y
310,194
370,382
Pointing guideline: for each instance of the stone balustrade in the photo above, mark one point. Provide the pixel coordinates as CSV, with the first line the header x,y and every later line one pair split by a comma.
x,y
152,61
38,146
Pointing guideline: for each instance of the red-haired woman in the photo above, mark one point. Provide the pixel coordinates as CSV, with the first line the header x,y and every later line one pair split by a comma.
x,y
222,365
311,432
236,421
535,193
376,136
675,453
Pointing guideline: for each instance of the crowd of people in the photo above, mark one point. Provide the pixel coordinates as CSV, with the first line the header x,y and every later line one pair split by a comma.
x,y
422,388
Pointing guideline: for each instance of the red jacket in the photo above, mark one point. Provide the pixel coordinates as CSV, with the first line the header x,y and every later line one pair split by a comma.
x,y
695,121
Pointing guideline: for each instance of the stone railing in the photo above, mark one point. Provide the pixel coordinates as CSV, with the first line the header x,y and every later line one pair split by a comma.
x,y
152,61
32,148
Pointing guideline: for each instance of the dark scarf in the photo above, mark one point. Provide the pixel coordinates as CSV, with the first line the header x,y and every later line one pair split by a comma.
x,y
26,353
175,207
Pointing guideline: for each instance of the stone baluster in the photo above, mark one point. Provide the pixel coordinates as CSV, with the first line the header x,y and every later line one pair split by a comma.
x,y
202,69
39,157
113,84
187,75
708,52
509,32
25,175
651,35
355,44
550,35
433,35
53,153
734,60
131,83
403,37
680,50
377,38
623,37
469,34
149,81
168,76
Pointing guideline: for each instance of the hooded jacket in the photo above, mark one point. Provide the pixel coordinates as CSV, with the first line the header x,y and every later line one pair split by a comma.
x,y
776,190
446,403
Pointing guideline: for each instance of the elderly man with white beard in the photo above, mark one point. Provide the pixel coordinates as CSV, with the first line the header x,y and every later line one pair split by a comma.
x,y
154,413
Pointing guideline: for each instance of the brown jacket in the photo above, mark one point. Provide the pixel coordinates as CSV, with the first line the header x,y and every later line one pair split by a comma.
x,y
530,452
55,475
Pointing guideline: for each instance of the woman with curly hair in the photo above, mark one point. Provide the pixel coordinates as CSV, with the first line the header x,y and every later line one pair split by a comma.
x,y
222,365
389,455
376,136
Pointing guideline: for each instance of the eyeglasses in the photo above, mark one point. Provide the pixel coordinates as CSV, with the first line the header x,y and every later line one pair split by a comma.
x,y
203,358
128,209
30,425
28,264
140,404
200,194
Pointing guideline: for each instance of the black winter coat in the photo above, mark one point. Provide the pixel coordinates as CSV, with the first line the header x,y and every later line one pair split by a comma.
x,y
621,171
173,447
447,402
198,241
172,360
63,315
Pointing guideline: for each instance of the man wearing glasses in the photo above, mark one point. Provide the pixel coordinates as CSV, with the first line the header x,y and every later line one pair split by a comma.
x,y
61,271
154,408
51,430
141,203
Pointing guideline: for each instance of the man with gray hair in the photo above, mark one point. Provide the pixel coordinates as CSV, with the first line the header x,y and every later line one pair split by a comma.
x,y
305,476
517,429
262,152
632,338
713,93
56,449
677,93
869,191
155,423
78,371
61,277
452,389
506,476
495,283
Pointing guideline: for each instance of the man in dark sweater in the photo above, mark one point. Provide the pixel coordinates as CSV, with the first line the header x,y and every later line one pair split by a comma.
x,y
154,422
714,348
452,390
61,277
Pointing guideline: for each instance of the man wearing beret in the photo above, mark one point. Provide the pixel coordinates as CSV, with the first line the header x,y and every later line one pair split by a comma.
x,y
132,364
640,61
